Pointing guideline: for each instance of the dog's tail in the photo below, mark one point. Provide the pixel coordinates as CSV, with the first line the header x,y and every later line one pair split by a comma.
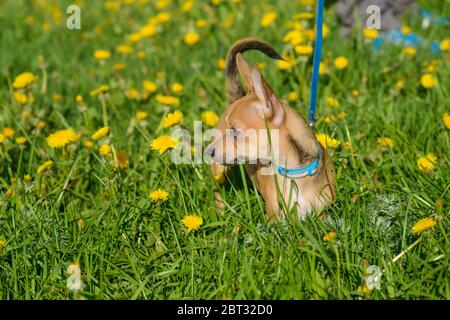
x,y
234,86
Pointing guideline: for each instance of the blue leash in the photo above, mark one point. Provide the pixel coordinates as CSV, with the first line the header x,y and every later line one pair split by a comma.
x,y
316,64
312,168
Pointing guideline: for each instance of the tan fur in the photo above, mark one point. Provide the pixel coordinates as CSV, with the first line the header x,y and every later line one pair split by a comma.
x,y
298,146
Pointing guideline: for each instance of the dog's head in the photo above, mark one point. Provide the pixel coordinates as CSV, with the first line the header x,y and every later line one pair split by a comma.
x,y
252,122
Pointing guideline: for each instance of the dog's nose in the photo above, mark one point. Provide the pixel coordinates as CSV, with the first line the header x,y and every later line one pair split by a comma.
x,y
212,152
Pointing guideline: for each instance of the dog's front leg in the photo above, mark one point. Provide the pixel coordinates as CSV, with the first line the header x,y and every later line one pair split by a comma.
x,y
218,171
267,188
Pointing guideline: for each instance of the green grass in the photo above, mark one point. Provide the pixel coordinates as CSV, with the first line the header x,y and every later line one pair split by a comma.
x,y
131,248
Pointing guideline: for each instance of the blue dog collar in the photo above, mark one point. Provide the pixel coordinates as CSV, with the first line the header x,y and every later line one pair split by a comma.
x,y
297,173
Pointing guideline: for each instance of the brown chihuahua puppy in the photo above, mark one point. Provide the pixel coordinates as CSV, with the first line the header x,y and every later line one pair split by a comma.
x,y
259,130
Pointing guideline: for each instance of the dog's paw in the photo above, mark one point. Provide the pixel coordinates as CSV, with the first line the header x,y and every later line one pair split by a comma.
x,y
220,205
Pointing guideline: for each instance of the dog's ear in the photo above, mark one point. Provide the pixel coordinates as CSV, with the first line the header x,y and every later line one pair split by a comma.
x,y
244,71
269,106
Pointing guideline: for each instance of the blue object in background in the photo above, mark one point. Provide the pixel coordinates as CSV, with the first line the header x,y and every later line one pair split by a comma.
x,y
411,39
437,20
398,38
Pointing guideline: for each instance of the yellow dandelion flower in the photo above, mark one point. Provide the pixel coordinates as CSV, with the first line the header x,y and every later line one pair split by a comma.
x,y
329,236
294,37
56,97
355,93
187,5
310,34
304,50
268,19
163,143
133,94
293,96
119,66
192,222
163,17
423,225
61,138
144,95
112,5
210,118
400,84
216,2
446,119
102,54
148,30
176,87
370,34
99,90
104,149
27,178
88,144
426,163
168,100
406,30
323,68
149,86
2,137
431,68
304,16
333,102
329,119
31,19
295,25
341,115
9,192
191,38
221,64
285,64
326,30
141,115
26,115
8,132
161,4
140,55
20,97
445,44
45,165
410,51
347,145
21,140
341,62
327,141
41,124
79,99
100,133
428,81
98,30
386,142
172,119
124,49
2,243
159,195
23,80
201,23
46,26
122,159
